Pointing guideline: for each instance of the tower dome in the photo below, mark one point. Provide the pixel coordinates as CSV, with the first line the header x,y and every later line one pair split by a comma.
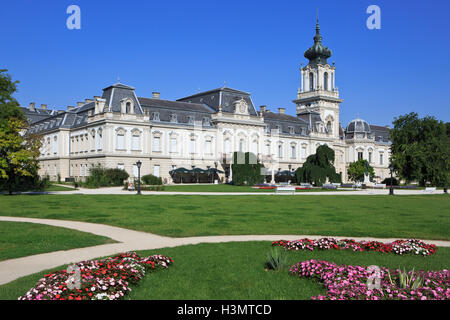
x,y
318,53
358,126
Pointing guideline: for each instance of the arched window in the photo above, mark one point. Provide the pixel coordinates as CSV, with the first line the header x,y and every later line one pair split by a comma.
x,y
128,107
325,81
311,81
241,145
329,128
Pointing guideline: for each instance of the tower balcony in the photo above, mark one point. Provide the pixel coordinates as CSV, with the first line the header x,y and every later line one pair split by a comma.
x,y
306,96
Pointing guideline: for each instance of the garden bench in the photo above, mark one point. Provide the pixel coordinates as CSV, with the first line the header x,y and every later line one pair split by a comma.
x,y
430,190
290,190
379,186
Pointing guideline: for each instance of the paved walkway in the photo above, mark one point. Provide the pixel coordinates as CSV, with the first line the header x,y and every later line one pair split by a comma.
x,y
128,240
119,190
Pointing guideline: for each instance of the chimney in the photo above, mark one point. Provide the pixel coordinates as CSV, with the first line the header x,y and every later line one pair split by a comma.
x,y
32,106
155,95
70,108
281,110
89,101
43,106
263,109
99,104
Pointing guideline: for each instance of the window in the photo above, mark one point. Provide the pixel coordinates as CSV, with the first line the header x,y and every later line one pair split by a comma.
x,y
120,141
268,149
360,155
192,146
191,119
329,128
173,117
208,146
303,152
325,81
155,116
121,166
173,144
128,107
280,151
370,157
291,130
156,170
156,144
241,145
135,142
227,146
311,81
381,159
255,147
55,170
293,152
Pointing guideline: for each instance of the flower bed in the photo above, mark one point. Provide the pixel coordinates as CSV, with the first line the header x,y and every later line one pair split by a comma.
x,y
401,247
106,279
350,282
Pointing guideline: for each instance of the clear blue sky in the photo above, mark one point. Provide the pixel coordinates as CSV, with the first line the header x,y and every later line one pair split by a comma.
x,y
178,47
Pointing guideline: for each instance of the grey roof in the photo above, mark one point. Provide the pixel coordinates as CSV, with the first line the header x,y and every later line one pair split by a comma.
x,y
358,125
285,123
116,93
222,96
380,133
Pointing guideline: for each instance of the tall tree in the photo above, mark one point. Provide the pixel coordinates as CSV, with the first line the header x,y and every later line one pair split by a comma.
x,y
18,154
420,150
357,170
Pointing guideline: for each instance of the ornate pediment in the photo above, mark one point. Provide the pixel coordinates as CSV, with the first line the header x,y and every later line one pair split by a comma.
x,y
240,107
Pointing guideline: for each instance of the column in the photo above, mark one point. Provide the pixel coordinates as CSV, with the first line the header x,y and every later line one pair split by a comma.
x,y
301,90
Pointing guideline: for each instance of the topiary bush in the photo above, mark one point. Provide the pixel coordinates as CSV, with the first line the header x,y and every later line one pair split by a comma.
x,y
247,171
150,179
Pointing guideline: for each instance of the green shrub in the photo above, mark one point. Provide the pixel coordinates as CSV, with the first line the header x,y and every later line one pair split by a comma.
x,y
105,177
150,179
246,169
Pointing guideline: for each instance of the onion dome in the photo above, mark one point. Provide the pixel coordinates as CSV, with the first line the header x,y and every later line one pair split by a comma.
x,y
358,126
318,53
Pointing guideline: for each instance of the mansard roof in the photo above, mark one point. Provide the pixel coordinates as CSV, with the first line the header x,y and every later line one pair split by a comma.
x,y
224,97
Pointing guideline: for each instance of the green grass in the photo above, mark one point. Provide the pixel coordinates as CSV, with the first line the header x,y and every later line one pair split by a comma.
x,y
54,187
229,271
418,216
18,239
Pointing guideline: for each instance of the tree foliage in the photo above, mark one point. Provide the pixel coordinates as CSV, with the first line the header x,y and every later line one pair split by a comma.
x,y
246,169
420,150
18,154
318,167
357,170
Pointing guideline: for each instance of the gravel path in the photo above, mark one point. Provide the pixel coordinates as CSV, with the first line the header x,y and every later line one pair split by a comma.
x,y
128,240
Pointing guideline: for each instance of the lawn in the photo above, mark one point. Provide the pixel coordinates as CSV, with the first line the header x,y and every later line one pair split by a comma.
x,y
18,239
54,187
418,216
231,271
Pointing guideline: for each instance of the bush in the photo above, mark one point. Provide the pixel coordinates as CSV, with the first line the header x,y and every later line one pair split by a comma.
x,y
387,181
105,177
27,183
150,179
247,173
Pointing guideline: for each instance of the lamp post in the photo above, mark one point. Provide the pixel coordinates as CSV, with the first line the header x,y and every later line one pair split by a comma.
x,y
391,189
139,163
209,172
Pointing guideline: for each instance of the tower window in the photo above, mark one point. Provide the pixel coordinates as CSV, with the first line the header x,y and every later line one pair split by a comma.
x,y
311,81
325,81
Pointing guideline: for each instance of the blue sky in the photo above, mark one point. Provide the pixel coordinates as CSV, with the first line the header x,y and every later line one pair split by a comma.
x,y
179,47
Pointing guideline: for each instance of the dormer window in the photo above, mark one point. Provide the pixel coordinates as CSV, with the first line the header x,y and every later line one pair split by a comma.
x,y
173,118
155,116
191,119
206,122
291,130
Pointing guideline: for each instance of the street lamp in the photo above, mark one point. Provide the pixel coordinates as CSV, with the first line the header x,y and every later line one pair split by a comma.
x,y
391,189
209,172
139,164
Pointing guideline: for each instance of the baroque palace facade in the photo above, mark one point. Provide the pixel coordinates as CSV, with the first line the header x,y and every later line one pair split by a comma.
x,y
203,130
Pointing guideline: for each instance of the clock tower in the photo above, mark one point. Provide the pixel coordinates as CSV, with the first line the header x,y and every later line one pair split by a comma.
x,y
318,92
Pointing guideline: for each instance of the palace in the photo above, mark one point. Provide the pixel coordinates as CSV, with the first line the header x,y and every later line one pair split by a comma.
x,y
118,128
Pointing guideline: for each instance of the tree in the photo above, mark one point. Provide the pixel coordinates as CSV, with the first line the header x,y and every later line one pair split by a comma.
x,y
420,150
318,167
18,155
356,170
246,169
